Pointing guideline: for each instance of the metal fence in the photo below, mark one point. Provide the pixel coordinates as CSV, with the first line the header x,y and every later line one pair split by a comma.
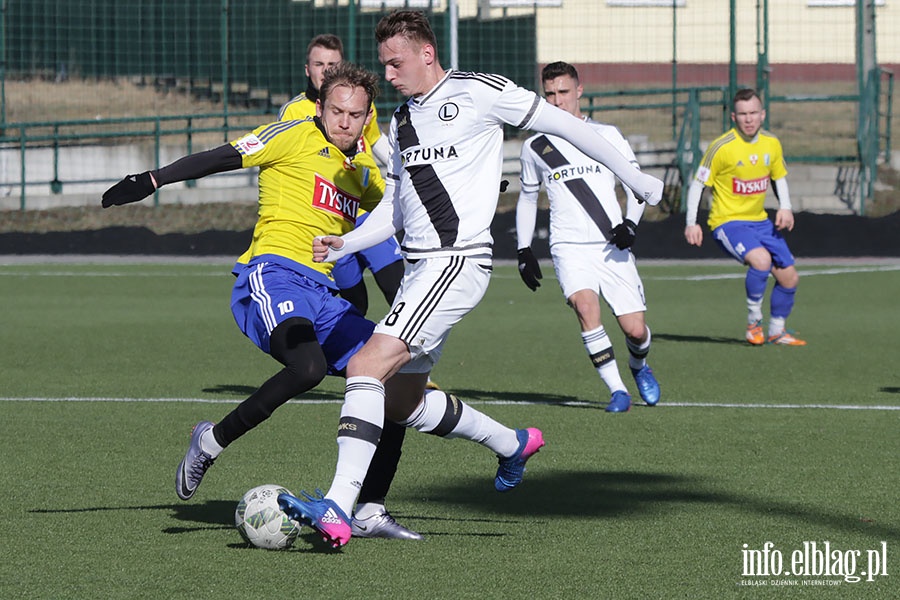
x,y
91,89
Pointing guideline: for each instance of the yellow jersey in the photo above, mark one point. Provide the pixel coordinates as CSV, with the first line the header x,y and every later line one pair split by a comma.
x,y
307,188
739,173
301,107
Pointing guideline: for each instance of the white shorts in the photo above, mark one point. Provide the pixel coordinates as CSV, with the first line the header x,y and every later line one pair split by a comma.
x,y
603,268
435,294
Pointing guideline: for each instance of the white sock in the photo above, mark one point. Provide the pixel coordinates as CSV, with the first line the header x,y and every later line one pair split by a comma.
x,y
754,311
776,326
600,350
447,416
369,509
364,403
209,444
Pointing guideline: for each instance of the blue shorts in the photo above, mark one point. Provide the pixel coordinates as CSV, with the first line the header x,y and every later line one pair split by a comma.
x,y
737,238
348,271
267,293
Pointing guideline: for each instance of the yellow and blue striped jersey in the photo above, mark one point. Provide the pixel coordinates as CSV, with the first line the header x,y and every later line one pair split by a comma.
x,y
307,188
301,107
739,173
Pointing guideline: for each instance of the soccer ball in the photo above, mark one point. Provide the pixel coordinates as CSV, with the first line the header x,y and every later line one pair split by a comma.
x,y
261,522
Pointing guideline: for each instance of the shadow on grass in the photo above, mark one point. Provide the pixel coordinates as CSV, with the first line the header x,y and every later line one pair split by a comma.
x,y
699,339
618,495
212,514
243,391
543,497
463,394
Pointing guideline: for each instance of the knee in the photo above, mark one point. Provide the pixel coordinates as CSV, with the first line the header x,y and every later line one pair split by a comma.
x,y
788,278
635,332
759,259
294,345
587,309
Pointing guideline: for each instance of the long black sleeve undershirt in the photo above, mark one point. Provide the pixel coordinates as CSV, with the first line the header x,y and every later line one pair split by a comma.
x,y
194,166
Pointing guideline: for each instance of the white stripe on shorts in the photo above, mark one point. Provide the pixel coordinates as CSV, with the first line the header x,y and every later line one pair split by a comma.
x,y
261,297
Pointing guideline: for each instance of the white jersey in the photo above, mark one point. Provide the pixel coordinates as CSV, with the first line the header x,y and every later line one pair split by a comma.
x,y
447,158
583,204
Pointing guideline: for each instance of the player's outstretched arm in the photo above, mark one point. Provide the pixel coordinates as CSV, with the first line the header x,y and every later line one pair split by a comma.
x,y
556,121
382,223
134,188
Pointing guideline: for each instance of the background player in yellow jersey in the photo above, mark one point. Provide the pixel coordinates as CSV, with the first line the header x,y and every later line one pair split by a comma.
x,y
325,51
312,181
738,166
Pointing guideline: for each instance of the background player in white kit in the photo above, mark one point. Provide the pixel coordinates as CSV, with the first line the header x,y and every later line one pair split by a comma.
x,y
446,160
589,240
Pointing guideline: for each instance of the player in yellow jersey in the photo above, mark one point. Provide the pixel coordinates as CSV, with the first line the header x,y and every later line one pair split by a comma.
x,y
312,181
738,166
383,260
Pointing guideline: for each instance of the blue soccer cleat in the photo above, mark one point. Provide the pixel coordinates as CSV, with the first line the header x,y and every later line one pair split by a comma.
x,y
511,470
647,385
620,402
320,513
194,464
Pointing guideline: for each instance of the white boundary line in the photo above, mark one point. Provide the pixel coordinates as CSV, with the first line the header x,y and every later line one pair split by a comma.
x,y
481,402
803,272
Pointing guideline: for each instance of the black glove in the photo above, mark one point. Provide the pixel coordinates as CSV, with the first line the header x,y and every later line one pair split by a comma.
x,y
131,189
622,235
504,183
529,269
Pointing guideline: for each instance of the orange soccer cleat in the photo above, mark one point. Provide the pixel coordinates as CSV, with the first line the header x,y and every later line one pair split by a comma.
x,y
755,334
785,339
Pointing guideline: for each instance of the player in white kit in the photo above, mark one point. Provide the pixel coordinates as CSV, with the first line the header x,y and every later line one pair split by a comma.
x,y
443,182
589,240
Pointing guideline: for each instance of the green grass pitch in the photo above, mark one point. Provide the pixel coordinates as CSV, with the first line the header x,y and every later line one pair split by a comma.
x,y
107,366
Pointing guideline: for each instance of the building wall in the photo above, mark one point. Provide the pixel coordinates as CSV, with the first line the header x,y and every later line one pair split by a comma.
x,y
594,31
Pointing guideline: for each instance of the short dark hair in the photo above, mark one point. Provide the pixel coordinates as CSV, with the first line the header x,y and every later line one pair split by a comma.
x,y
743,95
349,74
558,69
325,40
411,24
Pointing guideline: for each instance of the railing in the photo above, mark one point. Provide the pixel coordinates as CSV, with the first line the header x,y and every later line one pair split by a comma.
x,y
694,113
62,135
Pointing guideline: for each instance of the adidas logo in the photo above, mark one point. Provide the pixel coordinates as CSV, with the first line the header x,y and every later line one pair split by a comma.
x,y
324,152
331,517
547,149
